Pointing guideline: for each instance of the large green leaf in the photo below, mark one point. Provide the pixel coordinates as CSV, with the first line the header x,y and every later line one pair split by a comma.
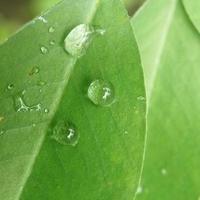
x,y
170,48
192,8
106,162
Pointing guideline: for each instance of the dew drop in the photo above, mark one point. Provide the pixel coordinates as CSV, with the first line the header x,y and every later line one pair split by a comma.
x,y
10,86
21,106
101,93
34,70
65,133
44,50
79,39
51,29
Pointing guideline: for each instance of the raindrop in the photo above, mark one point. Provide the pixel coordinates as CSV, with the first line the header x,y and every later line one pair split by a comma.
x,y
79,39
65,133
34,70
101,93
10,86
51,29
21,106
44,50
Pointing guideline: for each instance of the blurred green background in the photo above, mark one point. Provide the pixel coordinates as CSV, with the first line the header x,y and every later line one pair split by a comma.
x,y
15,13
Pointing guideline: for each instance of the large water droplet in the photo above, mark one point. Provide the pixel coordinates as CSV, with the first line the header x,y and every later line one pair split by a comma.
x,y
21,106
51,29
79,39
65,133
44,50
101,93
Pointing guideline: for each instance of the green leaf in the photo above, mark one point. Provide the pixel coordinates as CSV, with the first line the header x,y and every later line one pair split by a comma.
x,y
106,162
170,48
192,9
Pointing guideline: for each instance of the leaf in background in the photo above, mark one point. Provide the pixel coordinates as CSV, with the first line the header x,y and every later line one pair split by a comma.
x,y
170,48
192,8
48,88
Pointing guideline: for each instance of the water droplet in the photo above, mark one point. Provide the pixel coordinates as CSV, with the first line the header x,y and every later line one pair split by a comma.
x,y
41,83
164,172
34,125
101,93
65,133
51,29
34,70
125,132
46,110
141,98
10,86
21,106
2,132
52,42
1,119
79,39
44,50
41,18
139,190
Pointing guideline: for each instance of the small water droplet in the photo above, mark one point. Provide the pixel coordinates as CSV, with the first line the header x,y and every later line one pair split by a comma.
x,y
164,172
51,29
1,119
34,70
141,98
10,86
46,110
41,18
125,132
52,42
34,125
2,132
44,50
41,83
139,190
21,106
101,93
65,133
79,39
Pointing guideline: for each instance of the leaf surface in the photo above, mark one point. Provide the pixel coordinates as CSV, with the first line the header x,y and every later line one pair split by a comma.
x,y
169,46
192,8
106,162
